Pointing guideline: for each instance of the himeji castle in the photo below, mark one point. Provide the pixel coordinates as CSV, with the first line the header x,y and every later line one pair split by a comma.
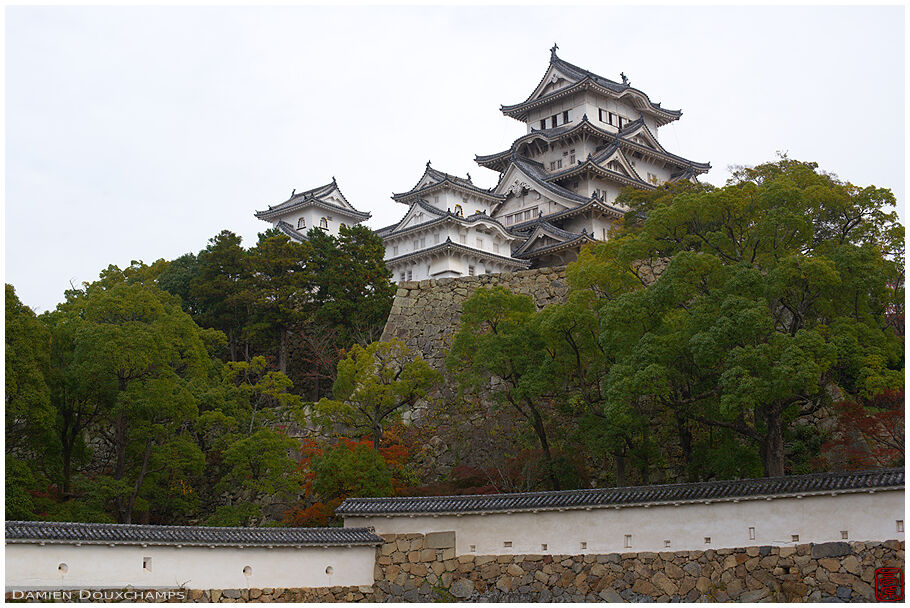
x,y
324,207
587,138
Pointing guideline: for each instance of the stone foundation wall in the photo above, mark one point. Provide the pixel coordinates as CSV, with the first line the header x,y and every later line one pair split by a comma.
x,y
424,568
425,314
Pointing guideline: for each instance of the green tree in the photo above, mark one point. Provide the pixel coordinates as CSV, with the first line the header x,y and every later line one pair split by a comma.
x,y
350,469
500,348
258,466
280,292
29,415
776,288
353,289
221,291
375,384
134,354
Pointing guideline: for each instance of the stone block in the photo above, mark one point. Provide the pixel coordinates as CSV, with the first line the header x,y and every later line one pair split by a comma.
x,y
644,587
831,549
462,588
440,540
750,597
665,584
830,564
852,565
427,555
787,551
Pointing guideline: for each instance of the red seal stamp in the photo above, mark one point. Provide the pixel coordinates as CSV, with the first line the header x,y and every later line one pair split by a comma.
x,y
889,585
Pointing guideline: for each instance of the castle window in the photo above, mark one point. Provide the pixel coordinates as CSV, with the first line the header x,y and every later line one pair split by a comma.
x,y
401,276
600,115
543,123
147,564
394,249
628,542
553,165
666,544
415,245
707,540
410,275
553,120
323,223
471,274
611,116
751,533
565,117
559,164
435,237
794,538
843,534
423,242
571,157
900,525
458,211
301,223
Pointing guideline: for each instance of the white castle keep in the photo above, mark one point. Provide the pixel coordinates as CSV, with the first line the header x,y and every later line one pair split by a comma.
x,y
587,138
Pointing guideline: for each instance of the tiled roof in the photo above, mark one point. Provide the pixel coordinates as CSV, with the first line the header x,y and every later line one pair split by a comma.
x,y
581,75
438,178
290,231
768,487
499,160
132,534
314,196
441,216
448,245
538,175
525,227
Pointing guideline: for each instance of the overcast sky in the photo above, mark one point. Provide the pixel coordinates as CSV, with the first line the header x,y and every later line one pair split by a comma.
x,y
139,133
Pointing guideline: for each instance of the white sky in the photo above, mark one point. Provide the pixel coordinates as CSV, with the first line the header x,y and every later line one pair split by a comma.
x,y
139,133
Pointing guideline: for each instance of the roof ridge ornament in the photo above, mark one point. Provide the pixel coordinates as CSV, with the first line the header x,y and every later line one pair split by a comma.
x,y
625,79
553,51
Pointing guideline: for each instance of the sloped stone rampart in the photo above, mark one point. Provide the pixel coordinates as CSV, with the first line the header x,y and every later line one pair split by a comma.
x,y
414,568
425,314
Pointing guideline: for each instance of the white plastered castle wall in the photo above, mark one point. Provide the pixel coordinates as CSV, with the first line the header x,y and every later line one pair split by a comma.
x,y
33,566
864,516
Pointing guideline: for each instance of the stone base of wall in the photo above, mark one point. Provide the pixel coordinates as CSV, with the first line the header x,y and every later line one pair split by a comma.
x,y
418,568
425,314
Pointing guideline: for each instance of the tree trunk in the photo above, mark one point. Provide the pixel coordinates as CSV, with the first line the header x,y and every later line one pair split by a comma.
x,y
377,429
772,446
141,477
283,352
685,439
619,460
537,422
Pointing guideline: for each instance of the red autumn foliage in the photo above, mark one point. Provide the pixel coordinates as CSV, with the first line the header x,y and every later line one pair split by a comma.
x,y
395,454
869,434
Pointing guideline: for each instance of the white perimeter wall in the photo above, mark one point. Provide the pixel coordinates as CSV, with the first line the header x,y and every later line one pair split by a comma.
x,y
32,566
816,519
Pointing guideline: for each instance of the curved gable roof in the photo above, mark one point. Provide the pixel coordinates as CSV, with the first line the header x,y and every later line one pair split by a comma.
x,y
581,78
433,178
328,196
